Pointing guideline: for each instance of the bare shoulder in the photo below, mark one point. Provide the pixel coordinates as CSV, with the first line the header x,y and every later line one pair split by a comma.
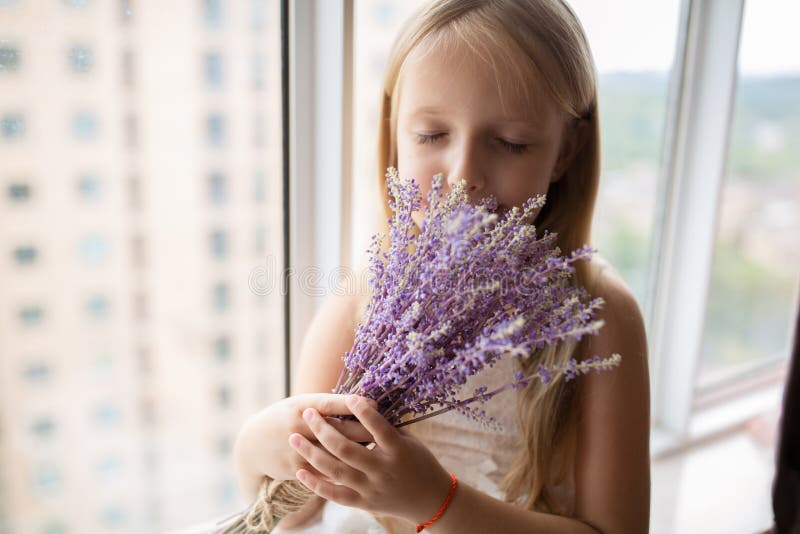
x,y
620,302
612,473
623,332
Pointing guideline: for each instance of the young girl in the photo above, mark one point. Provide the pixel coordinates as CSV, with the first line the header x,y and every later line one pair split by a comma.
x,y
503,95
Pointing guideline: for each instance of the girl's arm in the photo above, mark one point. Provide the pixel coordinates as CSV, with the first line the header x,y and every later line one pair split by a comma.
x,y
330,334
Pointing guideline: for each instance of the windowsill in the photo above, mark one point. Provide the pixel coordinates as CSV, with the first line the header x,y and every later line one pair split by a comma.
x,y
716,421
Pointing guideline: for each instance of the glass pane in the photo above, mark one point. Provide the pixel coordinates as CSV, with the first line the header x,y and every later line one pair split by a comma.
x,y
634,82
757,251
133,340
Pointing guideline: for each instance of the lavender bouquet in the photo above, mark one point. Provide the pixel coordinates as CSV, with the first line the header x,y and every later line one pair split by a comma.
x,y
469,286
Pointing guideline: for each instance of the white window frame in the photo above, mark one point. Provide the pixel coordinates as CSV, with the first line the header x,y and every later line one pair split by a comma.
x,y
695,159
320,154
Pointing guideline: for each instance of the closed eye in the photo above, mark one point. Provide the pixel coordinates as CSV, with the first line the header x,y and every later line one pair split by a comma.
x,y
515,148
423,138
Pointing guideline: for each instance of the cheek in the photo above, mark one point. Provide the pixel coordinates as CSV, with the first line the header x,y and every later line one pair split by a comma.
x,y
514,188
410,166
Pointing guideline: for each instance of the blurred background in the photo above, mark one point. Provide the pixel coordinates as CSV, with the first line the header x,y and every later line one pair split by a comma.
x,y
149,197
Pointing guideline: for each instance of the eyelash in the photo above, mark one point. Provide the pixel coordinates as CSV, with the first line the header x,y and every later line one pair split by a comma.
x,y
511,147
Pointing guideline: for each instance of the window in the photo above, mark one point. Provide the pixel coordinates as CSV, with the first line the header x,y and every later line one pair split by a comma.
x,y
43,427
258,15
140,306
36,373
113,516
219,244
214,71
756,261
213,13
224,446
227,489
9,58
215,130
13,126
107,415
258,71
217,188
633,87
260,240
259,187
258,131
31,315
19,192
98,307
89,187
47,479
134,192
138,252
84,126
93,249
25,255
222,348
54,527
128,76
81,59
131,131
125,11
109,466
221,296
224,396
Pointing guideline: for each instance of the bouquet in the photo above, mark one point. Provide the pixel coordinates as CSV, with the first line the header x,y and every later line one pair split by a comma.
x,y
469,286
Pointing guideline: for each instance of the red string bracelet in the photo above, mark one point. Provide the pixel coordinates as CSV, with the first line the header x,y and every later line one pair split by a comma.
x,y
420,528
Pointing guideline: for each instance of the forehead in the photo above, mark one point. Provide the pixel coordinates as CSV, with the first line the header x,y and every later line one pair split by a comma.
x,y
442,76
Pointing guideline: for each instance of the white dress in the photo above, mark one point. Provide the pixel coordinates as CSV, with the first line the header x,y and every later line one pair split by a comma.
x,y
478,455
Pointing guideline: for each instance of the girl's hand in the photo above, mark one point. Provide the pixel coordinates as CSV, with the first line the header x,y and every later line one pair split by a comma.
x,y
399,476
261,447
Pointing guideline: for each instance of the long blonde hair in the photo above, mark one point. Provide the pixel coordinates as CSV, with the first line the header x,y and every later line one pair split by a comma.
x,y
550,44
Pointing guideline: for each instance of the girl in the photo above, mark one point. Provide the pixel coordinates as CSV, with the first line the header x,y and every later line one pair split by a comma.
x,y
502,94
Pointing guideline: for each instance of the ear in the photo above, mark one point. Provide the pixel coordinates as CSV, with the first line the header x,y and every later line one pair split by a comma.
x,y
574,138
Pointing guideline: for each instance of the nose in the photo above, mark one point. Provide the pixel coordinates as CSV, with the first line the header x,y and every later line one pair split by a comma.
x,y
467,166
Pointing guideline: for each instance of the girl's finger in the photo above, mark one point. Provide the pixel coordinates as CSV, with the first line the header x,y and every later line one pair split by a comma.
x,y
352,430
298,462
326,403
383,432
339,446
332,492
331,467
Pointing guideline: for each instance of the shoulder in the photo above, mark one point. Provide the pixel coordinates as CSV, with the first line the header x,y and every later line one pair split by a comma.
x,y
613,456
623,332
621,310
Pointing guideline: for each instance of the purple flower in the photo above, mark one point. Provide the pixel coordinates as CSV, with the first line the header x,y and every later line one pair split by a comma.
x,y
468,287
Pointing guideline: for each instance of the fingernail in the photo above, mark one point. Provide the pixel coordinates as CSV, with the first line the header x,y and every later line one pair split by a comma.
x,y
308,414
294,440
372,403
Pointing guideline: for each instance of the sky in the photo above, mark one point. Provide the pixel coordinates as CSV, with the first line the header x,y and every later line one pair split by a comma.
x,y
640,34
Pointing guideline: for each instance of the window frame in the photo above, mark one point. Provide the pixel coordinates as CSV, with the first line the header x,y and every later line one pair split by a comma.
x,y
320,157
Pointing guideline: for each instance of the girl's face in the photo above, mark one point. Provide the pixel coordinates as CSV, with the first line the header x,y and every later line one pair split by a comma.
x,y
451,120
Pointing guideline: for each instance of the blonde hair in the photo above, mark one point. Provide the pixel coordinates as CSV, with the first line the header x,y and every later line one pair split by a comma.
x,y
550,45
